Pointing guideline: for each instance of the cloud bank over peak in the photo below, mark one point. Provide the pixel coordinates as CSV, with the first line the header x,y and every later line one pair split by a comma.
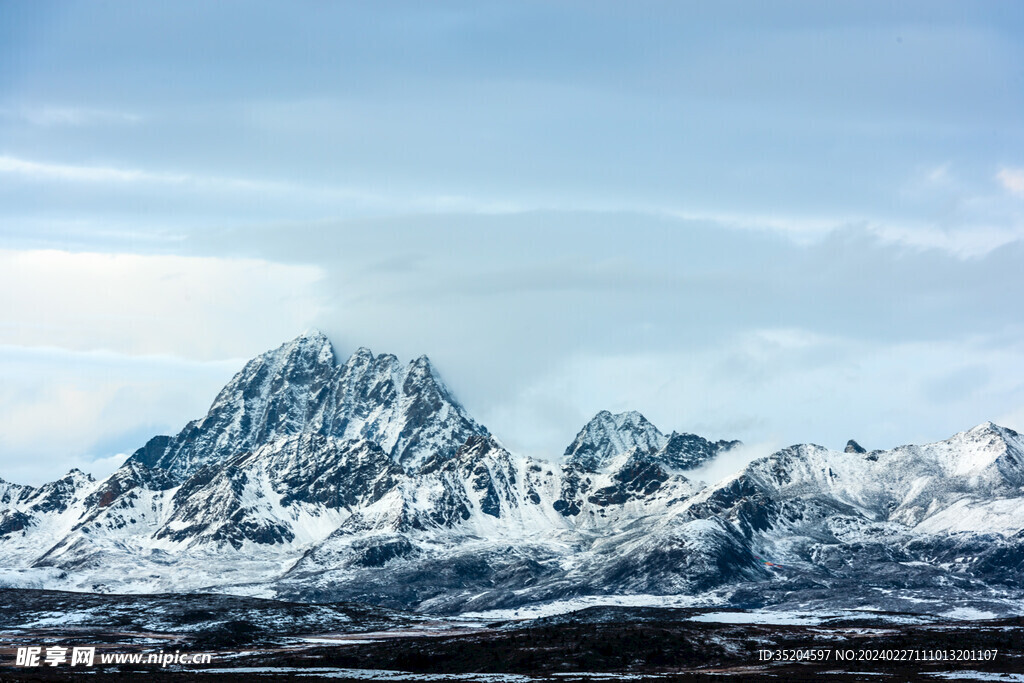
x,y
785,225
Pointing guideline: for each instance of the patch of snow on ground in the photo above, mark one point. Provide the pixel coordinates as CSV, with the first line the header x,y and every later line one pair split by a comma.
x,y
969,614
612,676
978,676
854,673
1004,516
373,674
761,617
34,577
47,619
549,609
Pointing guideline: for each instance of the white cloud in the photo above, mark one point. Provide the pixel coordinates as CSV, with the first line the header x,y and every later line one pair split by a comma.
x,y
975,226
938,175
954,212
79,173
732,461
49,116
967,237
773,388
336,198
61,409
1012,180
1014,419
49,171
104,466
800,229
195,307
966,241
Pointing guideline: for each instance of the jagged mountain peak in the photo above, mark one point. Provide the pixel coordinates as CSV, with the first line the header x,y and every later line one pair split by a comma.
x,y
987,447
364,366
986,432
312,340
360,356
978,445
631,418
363,356
991,428
306,355
609,435
56,496
312,333
854,447
298,388
78,478
422,369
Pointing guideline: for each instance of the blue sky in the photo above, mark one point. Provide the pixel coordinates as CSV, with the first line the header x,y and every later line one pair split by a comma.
x,y
780,223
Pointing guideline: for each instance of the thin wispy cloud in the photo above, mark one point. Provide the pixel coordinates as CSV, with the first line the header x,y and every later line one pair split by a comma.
x,y
37,170
55,116
82,173
1012,180
966,241
342,197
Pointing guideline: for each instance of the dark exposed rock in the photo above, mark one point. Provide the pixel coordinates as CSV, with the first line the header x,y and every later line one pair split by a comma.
x,y
307,468
688,451
12,521
150,454
575,485
854,447
375,552
638,477
720,556
55,496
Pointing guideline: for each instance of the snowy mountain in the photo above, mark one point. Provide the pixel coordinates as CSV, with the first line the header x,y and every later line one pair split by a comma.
x,y
367,480
607,436
298,389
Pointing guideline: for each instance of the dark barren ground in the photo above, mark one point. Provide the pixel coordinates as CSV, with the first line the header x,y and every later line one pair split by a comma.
x,y
254,640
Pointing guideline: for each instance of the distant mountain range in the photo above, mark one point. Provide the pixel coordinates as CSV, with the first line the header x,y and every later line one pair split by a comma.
x,y
367,480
